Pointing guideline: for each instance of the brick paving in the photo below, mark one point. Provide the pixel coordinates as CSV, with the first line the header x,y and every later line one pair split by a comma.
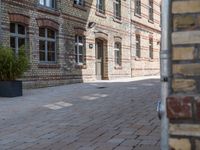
x,y
118,115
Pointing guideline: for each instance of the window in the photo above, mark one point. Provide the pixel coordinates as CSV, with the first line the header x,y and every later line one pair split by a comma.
x,y
151,48
17,36
79,2
117,49
48,3
151,10
117,9
47,45
138,7
138,54
101,6
79,49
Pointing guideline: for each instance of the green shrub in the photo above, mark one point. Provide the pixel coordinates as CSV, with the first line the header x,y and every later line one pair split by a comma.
x,y
12,66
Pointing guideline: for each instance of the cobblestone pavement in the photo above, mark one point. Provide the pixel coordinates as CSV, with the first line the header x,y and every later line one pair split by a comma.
x,y
87,116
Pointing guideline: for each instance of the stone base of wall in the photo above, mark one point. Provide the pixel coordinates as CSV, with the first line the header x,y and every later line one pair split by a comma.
x,y
49,83
145,72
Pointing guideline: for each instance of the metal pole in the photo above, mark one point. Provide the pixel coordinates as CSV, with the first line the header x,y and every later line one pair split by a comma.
x,y
165,70
0,23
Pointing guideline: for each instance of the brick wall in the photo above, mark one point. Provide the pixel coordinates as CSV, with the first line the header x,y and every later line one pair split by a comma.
x,y
183,105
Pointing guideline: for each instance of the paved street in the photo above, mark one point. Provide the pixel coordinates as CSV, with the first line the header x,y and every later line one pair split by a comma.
x,y
118,115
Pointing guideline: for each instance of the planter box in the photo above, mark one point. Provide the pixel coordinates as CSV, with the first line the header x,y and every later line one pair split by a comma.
x,y
10,88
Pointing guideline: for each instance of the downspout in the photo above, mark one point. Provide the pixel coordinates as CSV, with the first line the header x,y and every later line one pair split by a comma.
x,y
130,35
0,23
165,70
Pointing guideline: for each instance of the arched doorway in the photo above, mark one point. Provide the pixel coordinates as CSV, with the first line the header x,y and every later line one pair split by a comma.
x,y
101,55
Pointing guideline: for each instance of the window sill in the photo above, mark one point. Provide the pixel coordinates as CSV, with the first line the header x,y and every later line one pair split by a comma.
x,y
51,66
137,58
138,15
80,66
79,7
151,21
151,59
118,67
48,10
100,14
117,20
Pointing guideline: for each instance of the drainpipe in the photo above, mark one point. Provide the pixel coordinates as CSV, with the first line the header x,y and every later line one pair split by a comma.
x,y
130,35
165,70
0,23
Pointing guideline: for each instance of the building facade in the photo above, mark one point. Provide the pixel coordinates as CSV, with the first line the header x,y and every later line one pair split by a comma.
x,y
79,40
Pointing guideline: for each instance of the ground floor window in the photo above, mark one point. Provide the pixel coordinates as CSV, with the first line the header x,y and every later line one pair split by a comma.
x,y
17,36
117,49
47,45
79,49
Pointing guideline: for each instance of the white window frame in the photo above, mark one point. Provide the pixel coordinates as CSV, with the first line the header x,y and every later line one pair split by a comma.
x,y
117,14
44,3
78,44
79,2
151,47
16,35
138,7
138,48
46,39
151,10
101,6
118,60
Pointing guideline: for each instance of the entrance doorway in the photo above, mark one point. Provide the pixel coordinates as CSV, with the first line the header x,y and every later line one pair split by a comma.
x,y
99,59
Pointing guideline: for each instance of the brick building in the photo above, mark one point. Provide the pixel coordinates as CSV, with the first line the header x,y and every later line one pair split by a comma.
x,y
79,40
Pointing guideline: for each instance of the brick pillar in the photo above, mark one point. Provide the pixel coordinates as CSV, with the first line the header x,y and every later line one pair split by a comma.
x,y
183,105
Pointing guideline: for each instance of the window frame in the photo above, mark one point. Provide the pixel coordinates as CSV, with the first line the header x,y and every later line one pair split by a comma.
x,y
78,44
16,36
79,2
151,48
45,4
138,7
98,6
46,39
118,59
117,14
151,10
138,45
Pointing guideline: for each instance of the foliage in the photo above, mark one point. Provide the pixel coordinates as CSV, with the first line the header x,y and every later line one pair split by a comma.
x,y
12,65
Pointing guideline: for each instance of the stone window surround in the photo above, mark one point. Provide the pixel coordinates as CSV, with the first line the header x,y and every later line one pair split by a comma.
x,y
19,18
115,3
151,19
138,8
137,35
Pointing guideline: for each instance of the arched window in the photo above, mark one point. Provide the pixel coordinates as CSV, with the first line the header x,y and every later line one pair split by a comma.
x,y
117,50
18,36
47,45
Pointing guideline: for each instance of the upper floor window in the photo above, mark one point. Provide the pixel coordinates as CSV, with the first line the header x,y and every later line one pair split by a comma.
x,y
117,9
79,2
79,49
151,10
17,36
117,49
151,48
47,45
101,6
138,7
48,3
137,44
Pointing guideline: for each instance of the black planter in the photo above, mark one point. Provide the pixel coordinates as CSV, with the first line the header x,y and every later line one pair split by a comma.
x,y
10,88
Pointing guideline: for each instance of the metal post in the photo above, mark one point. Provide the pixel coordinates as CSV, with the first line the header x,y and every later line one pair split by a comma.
x,y
165,70
0,23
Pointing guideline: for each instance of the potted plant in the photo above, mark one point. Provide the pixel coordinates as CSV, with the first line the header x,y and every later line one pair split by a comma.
x,y
12,66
